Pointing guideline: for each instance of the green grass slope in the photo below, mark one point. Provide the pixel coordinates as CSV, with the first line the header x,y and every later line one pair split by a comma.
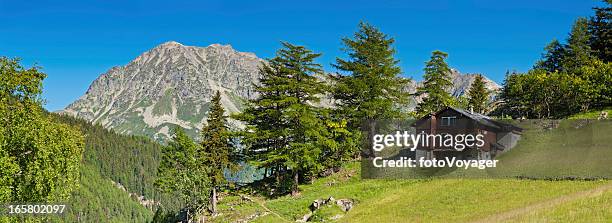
x,y
572,148
595,208
593,114
432,200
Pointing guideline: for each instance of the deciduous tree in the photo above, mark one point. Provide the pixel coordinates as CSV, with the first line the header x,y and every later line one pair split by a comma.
x,y
39,158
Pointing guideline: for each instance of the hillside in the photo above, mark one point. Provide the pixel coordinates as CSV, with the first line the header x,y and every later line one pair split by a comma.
x,y
593,114
117,175
545,153
98,200
441,200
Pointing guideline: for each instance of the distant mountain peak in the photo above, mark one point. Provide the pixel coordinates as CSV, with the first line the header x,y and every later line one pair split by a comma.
x,y
171,43
168,86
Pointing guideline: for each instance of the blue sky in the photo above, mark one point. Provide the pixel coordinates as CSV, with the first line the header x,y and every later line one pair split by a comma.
x,y
75,41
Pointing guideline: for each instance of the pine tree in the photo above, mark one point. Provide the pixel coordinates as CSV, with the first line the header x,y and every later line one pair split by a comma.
x,y
266,128
600,30
373,87
478,95
552,58
437,82
285,131
578,52
217,151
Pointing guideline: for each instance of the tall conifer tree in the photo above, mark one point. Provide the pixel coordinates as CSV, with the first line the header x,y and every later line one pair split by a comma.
x,y
552,57
579,52
600,29
437,82
266,128
218,154
285,131
478,95
370,87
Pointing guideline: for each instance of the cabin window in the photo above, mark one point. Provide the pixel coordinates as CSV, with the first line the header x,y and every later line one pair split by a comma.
x,y
448,121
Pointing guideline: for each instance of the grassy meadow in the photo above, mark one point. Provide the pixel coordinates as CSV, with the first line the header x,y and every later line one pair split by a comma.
x,y
422,200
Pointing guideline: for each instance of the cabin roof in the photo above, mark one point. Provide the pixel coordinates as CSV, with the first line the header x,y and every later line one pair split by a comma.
x,y
480,118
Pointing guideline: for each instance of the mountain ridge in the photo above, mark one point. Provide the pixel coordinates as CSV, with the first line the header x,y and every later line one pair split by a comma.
x,y
171,85
166,86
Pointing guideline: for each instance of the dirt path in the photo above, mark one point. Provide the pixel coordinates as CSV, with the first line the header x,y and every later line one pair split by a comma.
x,y
262,204
546,204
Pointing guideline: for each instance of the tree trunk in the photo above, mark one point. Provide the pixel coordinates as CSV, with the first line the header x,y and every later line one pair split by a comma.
x,y
277,175
213,201
370,139
188,219
294,188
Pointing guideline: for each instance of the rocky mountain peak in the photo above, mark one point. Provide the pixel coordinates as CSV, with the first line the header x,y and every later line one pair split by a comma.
x,y
170,43
462,83
168,86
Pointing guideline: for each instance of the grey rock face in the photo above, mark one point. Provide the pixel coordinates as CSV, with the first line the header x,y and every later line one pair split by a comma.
x,y
169,85
462,83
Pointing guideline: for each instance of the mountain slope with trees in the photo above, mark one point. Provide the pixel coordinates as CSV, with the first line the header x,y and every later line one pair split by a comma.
x,y
117,176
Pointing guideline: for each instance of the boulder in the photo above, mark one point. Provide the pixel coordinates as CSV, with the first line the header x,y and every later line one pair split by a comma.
x,y
603,115
345,204
316,204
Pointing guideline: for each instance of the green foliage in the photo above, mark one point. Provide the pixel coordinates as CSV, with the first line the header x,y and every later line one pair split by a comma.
x,y
216,145
554,52
181,173
98,200
342,144
538,94
598,85
373,87
600,30
307,133
285,132
588,41
131,161
437,81
569,78
478,95
578,51
591,114
127,160
40,157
